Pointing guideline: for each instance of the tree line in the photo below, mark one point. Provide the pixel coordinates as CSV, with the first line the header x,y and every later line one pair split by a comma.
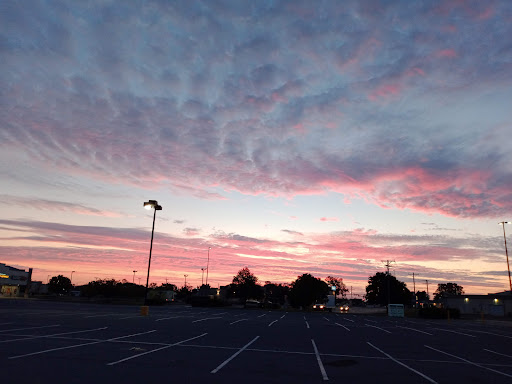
x,y
304,291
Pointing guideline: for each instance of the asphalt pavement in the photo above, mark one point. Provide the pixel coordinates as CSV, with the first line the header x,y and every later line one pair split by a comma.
x,y
48,342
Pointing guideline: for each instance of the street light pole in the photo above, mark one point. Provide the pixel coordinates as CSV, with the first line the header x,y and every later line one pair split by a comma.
x,y
133,281
151,204
208,265
185,281
71,280
506,251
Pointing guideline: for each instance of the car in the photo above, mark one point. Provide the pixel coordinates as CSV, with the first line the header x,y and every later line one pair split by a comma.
x,y
319,307
344,308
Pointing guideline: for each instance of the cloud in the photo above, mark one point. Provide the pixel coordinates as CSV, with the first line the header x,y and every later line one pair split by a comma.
x,y
329,219
273,102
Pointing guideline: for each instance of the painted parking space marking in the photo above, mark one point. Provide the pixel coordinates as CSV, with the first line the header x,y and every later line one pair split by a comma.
x,y
319,361
491,333
402,364
262,315
102,315
234,355
469,362
27,328
342,326
79,345
237,321
497,353
374,326
168,318
207,318
156,350
53,335
459,333
275,321
415,330
307,324
326,318
283,316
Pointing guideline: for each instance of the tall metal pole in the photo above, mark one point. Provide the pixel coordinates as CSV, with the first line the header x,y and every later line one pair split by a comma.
x,y
71,280
185,281
428,296
149,263
506,253
414,285
202,276
133,281
207,265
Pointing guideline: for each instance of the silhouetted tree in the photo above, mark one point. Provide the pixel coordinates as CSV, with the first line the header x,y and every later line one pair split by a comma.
x,y
245,286
448,289
382,284
307,290
59,284
276,293
422,296
341,289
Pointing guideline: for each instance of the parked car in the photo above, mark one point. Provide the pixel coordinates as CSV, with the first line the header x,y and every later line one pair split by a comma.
x,y
344,308
319,307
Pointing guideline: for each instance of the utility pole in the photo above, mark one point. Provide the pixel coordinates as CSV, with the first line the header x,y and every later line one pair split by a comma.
x,y
387,265
185,280
350,292
428,296
414,285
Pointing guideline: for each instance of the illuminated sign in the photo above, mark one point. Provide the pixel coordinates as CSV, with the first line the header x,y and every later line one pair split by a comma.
x,y
3,276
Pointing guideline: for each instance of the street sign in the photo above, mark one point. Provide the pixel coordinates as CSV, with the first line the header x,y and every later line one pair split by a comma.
x,y
396,310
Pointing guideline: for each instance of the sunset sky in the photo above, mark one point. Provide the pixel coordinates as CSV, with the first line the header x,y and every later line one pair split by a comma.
x,y
291,137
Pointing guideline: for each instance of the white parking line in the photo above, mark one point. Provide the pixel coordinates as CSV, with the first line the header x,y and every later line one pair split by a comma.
x,y
102,315
234,355
342,326
460,333
470,362
352,321
319,360
326,318
23,329
167,318
53,335
491,333
416,330
155,350
79,345
501,354
275,321
374,326
283,316
234,322
307,324
402,364
371,321
207,318
262,315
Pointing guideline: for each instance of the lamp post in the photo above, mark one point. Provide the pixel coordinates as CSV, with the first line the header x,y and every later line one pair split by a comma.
x,y
133,281
202,276
208,265
71,280
185,281
506,251
151,204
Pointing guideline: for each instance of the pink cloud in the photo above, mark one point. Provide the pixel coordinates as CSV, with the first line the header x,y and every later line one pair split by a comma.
x,y
447,53
329,219
385,92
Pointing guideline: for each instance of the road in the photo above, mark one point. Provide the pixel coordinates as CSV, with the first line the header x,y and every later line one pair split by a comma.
x,y
41,342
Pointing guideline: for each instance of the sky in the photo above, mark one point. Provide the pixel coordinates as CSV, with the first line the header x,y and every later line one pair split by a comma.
x,y
291,137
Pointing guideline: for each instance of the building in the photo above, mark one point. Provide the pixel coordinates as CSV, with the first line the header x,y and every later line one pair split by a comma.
x,y
14,281
494,304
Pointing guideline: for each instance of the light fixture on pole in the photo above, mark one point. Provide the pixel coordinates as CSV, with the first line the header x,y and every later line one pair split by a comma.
x,y
185,281
202,276
208,265
71,280
506,251
151,204
133,281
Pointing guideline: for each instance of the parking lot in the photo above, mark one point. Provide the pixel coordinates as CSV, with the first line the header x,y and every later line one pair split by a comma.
x,y
41,342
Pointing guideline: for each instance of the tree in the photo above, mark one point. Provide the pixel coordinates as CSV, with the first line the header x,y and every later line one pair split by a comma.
x,y
383,286
422,296
337,282
276,293
448,289
59,284
307,290
245,285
